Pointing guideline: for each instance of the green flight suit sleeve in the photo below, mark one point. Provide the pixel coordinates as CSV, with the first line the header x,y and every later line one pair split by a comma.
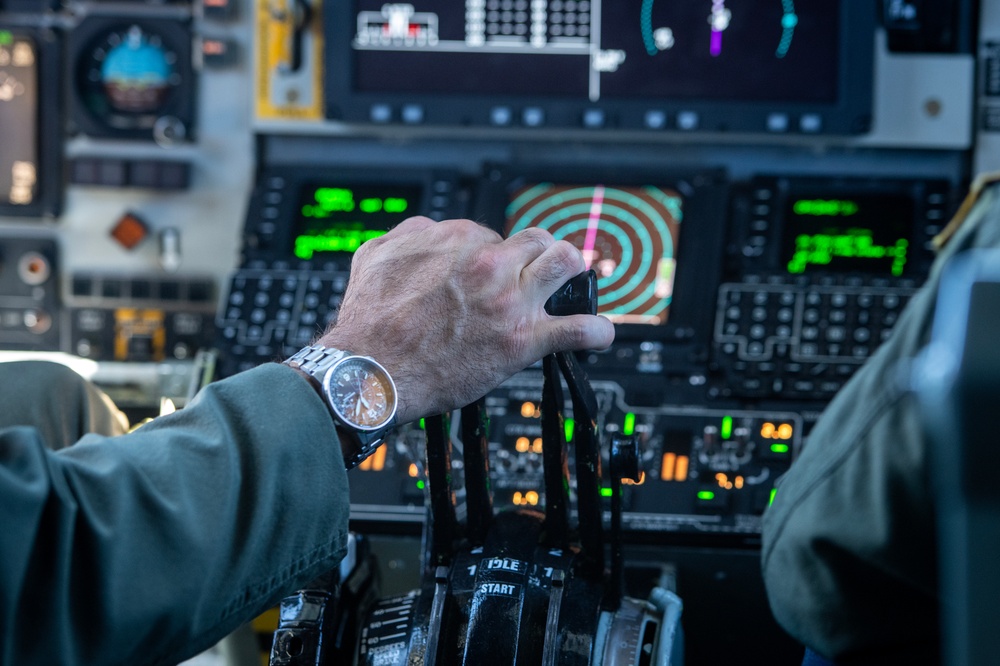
x,y
149,547
849,544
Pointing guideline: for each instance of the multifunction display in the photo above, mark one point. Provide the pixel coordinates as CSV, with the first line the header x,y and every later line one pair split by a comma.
x,y
866,234
339,218
628,235
771,66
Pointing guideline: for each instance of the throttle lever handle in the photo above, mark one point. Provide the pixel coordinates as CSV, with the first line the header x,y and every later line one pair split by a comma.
x,y
577,296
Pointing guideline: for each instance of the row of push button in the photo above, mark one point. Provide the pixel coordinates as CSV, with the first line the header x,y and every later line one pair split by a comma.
x,y
271,313
593,118
819,323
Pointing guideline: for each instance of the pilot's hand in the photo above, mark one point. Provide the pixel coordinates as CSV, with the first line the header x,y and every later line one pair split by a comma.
x,y
451,309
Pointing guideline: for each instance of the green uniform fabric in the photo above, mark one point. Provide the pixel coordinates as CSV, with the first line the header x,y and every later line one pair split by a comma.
x,y
57,402
849,544
149,547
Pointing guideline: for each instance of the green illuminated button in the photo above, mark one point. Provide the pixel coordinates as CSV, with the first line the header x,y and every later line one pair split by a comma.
x,y
781,450
628,428
712,499
726,431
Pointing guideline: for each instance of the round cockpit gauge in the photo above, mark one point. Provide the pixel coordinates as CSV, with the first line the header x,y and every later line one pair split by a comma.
x,y
132,75
135,70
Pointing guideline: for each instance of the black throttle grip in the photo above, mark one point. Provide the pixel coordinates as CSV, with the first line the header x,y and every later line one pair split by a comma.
x,y
577,296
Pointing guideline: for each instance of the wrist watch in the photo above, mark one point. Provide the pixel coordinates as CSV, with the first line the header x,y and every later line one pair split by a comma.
x,y
359,392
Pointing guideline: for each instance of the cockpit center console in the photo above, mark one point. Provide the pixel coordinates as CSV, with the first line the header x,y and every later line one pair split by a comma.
x,y
756,186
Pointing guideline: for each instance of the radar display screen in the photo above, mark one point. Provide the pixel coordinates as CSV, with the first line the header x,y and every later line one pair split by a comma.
x,y
628,235
338,217
18,120
763,50
842,234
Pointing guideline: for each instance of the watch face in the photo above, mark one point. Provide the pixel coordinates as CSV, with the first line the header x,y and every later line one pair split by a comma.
x,y
361,393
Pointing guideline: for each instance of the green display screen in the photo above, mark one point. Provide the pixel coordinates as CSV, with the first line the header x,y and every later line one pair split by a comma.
x,y
338,218
844,234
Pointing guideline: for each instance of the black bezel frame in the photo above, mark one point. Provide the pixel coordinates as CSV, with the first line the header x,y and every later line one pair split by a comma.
x,y
181,104
788,186
297,177
850,114
51,181
705,194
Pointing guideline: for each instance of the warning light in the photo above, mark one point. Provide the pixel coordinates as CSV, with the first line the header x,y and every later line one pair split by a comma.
x,y
725,483
536,445
529,498
771,431
413,471
674,467
681,470
522,444
529,410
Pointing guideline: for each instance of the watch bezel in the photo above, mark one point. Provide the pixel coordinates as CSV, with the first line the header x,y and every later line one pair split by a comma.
x,y
332,403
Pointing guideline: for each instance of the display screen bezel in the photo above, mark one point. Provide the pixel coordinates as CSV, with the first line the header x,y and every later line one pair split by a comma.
x,y
609,220
699,254
849,113
48,194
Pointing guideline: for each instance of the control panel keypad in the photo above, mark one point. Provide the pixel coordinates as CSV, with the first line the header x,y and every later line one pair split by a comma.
x,y
269,314
786,339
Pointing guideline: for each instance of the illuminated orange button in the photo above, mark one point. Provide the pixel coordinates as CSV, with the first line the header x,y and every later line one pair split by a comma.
x,y
129,231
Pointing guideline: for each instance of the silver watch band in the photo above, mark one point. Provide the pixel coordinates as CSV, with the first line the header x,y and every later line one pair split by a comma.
x,y
315,360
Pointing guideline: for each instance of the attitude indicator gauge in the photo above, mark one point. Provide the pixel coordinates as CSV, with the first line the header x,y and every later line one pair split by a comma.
x,y
134,79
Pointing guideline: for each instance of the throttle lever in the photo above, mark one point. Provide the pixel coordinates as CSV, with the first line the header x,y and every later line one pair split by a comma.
x,y
577,296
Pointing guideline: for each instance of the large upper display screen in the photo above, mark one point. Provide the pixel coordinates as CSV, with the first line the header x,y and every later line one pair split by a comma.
x,y
665,49
628,62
